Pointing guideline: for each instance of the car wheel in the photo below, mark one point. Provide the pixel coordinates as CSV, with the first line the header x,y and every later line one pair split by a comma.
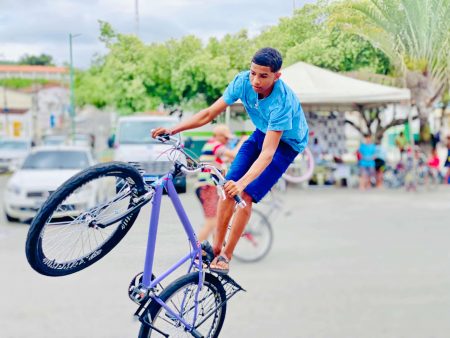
x,y
11,219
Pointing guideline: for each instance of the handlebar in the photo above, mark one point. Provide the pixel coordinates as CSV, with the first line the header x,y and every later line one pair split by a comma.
x,y
199,166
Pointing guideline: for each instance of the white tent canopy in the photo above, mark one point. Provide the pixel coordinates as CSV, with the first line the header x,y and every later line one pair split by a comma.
x,y
326,90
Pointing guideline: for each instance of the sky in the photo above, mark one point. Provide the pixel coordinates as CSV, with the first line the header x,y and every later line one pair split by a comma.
x,y
43,26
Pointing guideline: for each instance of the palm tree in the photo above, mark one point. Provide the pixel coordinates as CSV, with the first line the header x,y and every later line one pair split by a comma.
x,y
415,34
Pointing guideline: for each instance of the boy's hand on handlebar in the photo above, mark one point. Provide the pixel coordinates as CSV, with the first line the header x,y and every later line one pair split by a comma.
x,y
233,188
160,131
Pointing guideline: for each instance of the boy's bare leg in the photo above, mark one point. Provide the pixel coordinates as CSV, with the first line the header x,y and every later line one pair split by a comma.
x,y
224,214
238,226
225,210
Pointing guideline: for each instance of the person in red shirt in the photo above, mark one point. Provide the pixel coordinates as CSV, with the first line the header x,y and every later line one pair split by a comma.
x,y
433,164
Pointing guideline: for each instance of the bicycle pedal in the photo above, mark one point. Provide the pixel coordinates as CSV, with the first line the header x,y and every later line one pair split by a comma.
x,y
137,292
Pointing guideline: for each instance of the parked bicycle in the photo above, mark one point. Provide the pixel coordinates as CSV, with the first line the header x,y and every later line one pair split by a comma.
x,y
257,238
412,173
301,169
67,236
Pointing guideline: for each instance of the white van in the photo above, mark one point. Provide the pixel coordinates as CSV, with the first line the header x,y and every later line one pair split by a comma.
x,y
133,143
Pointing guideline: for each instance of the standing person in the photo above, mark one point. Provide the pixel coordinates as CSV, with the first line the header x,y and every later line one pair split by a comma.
x,y
401,142
317,151
380,163
367,162
433,164
216,152
281,134
447,161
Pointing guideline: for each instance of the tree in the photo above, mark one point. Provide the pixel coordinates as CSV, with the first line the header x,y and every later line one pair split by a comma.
x,y
307,37
373,121
41,60
415,34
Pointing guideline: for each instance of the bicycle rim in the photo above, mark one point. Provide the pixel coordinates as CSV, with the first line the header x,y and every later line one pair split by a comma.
x,y
301,168
70,236
180,297
256,241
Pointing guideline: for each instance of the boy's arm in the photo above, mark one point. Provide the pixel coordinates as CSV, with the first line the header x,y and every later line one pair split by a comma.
x,y
201,118
270,145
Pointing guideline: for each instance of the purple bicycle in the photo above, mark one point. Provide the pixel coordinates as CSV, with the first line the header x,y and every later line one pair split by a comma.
x,y
67,236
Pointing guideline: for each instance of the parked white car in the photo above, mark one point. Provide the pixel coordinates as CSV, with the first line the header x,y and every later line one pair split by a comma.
x,y
43,171
133,143
13,152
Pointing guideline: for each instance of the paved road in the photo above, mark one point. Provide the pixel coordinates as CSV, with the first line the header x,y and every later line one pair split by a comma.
x,y
344,264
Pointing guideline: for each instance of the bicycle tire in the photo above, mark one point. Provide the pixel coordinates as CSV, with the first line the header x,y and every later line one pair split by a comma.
x,y
45,224
301,169
244,250
153,312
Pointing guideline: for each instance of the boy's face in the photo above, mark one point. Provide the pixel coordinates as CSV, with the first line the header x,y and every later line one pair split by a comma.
x,y
262,78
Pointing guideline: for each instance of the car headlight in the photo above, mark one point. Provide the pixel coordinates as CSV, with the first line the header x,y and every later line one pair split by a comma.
x,y
15,164
14,189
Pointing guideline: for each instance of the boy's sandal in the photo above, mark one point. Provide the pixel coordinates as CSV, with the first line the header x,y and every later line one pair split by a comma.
x,y
224,266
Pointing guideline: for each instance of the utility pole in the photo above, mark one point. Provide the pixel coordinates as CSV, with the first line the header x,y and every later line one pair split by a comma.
x,y
72,91
293,7
136,16
5,110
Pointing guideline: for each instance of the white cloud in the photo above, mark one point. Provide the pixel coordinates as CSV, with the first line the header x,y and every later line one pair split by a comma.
x,y
43,26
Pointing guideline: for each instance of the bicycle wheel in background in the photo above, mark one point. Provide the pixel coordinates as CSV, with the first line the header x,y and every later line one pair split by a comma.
x,y
301,169
63,237
256,241
180,296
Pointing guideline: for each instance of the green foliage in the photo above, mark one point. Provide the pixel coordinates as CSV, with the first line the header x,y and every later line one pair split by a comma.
x,y
415,34
185,72
36,60
18,83
307,36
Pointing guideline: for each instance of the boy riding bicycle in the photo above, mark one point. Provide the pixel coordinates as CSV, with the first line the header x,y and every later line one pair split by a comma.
x,y
281,134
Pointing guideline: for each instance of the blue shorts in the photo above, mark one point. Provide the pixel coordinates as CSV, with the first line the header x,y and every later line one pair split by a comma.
x,y
247,155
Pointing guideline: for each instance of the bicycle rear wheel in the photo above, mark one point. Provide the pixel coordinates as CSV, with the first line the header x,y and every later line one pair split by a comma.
x,y
180,297
63,237
301,169
256,241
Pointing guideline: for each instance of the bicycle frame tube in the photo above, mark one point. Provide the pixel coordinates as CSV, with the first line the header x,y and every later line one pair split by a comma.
x,y
166,182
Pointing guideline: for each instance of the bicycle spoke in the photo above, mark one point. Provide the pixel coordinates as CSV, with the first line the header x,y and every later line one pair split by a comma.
x,y
69,233
183,302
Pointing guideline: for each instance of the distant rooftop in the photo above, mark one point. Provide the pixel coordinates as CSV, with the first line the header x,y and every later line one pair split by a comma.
x,y
33,72
32,69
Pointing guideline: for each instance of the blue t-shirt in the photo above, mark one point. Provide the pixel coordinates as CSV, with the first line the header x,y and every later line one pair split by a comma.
x,y
280,111
367,152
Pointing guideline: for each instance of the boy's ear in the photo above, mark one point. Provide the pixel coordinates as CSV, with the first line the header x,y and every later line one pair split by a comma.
x,y
277,75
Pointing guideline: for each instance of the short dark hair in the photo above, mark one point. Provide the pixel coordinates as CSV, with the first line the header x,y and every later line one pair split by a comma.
x,y
268,57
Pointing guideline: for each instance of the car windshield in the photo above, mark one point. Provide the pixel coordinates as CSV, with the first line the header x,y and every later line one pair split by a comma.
x,y
54,140
56,160
13,145
138,132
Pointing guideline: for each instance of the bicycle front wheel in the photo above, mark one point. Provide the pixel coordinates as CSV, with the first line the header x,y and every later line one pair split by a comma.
x,y
256,241
64,237
180,296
